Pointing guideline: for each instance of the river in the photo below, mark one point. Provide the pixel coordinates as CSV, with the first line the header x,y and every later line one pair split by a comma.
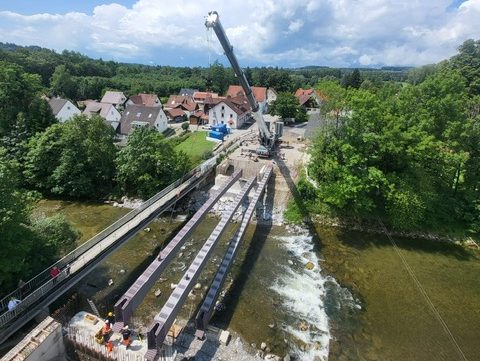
x,y
357,302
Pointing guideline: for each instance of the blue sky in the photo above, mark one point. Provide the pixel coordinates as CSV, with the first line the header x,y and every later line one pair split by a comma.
x,y
287,33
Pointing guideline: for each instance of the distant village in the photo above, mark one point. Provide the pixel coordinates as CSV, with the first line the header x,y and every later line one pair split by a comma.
x,y
190,105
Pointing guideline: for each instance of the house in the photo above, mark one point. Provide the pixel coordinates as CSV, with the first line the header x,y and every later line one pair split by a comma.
x,y
136,116
187,92
198,118
118,99
105,110
202,98
149,100
259,93
175,115
308,98
186,103
271,96
231,111
63,109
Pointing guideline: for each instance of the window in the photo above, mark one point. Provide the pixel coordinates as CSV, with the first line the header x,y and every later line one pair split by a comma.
x,y
223,115
223,107
231,115
68,107
138,114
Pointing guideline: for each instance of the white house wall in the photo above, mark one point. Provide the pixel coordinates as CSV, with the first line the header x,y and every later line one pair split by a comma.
x,y
68,110
215,116
161,121
113,115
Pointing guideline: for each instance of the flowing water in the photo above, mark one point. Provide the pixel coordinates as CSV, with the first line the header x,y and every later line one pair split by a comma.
x,y
354,301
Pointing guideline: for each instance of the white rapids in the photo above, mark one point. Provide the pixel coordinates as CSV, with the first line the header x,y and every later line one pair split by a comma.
x,y
303,293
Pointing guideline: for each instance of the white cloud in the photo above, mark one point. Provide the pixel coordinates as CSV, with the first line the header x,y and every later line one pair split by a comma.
x,y
283,32
295,26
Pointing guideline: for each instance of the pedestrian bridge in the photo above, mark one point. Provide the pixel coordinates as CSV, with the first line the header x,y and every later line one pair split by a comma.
x,y
42,290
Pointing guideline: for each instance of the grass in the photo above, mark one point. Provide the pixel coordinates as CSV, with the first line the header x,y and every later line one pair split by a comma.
x,y
195,146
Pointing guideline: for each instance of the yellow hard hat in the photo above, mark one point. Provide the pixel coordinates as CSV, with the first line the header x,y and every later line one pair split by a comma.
x,y
110,313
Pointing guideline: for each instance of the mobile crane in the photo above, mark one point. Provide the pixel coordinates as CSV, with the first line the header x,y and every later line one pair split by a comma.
x,y
267,138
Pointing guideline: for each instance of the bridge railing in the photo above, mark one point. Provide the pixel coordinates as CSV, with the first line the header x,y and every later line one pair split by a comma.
x,y
42,283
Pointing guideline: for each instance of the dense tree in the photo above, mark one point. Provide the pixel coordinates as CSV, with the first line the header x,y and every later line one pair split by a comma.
x,y
467,62
16,238
286,106
149,163
75,159
17,90
62,83
404,154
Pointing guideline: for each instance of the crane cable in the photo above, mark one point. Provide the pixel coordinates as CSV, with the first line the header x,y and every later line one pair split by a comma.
x,y
424,293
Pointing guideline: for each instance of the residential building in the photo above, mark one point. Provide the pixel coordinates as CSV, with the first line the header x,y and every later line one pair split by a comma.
x,y
186,103
136,116
63,109
271,96
308,98
118,99
198,118
259,93
105,110
148,100
231,111
175,115
202,98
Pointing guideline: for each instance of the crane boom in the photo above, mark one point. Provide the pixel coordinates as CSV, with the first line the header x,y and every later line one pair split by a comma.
x,y
267,139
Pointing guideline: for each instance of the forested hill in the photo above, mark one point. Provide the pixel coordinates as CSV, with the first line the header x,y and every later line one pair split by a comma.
x,y
84,78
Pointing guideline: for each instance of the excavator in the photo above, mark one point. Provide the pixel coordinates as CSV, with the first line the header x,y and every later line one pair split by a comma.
x,y
267,138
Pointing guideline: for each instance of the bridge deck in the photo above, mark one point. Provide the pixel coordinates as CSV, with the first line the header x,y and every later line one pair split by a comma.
x,y
206,310
164,319
137,292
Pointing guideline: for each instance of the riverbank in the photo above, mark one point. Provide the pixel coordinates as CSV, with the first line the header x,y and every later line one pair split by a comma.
x,y
377,227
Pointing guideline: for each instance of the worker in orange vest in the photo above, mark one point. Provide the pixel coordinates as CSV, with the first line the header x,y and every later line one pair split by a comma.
x,y
109,346
126,336
106,328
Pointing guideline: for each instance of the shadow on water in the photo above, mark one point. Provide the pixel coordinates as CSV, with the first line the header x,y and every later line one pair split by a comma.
x,y
253,252
363,240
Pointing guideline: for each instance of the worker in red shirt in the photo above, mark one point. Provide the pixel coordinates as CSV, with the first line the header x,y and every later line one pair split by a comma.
x,y
54,272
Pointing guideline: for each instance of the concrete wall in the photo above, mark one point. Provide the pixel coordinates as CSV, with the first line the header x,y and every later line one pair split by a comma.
x,y
43,343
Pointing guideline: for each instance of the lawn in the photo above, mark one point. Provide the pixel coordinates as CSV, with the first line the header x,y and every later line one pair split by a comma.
x,y
195,146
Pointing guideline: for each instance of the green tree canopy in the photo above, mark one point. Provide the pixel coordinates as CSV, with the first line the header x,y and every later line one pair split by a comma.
x,y
286,106
149,163
17,90
62,83
75,159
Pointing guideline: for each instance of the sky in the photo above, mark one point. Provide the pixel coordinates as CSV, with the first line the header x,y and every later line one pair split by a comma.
x,y
285,33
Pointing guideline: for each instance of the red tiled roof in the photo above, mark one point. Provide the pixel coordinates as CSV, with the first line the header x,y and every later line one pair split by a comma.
x,y
260,93
185,102
301,92
201,96
175,112
149,100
